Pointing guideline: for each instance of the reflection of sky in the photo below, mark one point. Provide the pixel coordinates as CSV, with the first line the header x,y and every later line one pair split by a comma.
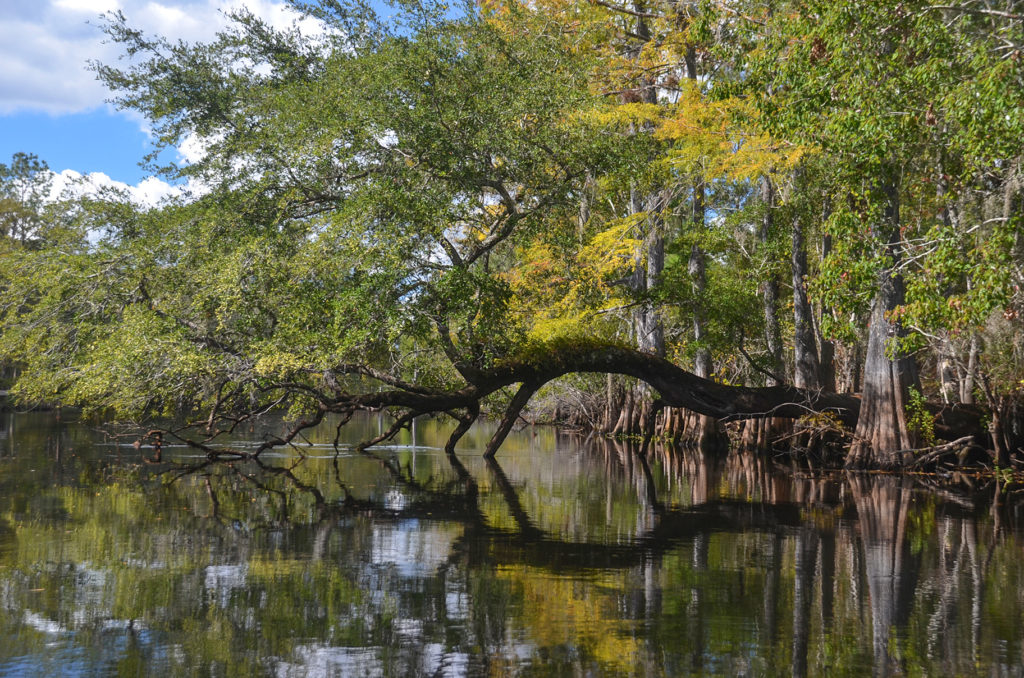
x,y
456,602
414,548
42,624
106,644
412,597
320,660
412,551
221,580
317,660
92,594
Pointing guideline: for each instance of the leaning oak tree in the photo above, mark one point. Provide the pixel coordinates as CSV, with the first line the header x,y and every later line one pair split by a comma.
x,y
347,237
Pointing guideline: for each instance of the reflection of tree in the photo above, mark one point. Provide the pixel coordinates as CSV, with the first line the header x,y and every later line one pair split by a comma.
x,y
958,551
700,468
626,457
803,591
755,477
882,506
525,526
415,558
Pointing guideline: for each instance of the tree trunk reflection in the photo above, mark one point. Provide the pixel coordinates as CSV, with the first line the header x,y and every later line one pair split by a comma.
x,y
882,506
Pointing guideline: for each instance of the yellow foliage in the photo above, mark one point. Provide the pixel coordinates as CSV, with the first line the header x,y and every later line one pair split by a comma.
x,y
561,612
277,364
709,138
720,138
555,296
626,114
613,247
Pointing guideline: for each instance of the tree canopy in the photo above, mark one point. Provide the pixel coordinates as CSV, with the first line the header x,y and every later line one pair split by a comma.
x,y
421,212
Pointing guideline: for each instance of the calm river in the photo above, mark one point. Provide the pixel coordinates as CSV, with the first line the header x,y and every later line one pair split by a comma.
x,y
566,558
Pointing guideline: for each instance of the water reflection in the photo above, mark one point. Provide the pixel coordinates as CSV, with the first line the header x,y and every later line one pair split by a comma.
x,y
563,557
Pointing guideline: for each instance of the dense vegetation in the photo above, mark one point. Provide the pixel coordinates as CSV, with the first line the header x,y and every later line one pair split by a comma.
x,y
753,208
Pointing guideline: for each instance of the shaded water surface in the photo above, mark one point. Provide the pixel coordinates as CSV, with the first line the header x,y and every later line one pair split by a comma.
x,y
566,557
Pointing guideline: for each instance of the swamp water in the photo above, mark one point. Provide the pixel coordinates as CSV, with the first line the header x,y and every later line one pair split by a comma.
x,y
567,557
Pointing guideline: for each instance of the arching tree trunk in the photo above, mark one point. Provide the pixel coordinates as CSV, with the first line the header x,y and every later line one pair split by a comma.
x,y
676,387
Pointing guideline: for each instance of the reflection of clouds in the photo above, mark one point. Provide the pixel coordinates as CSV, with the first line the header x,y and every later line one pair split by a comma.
x,y
318,660
456,602
80,619
440,664
92,596
415,549
221,580
321,660
42,624
403,556
395,500
409,629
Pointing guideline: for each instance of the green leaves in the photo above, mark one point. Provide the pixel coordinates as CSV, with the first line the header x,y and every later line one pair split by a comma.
x,y
356,191
442,192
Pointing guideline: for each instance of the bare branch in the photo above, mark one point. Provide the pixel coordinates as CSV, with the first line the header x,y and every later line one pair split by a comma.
x,y
625,10
974,10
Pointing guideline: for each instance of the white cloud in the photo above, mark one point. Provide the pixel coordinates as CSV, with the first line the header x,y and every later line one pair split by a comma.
x,y
150,192
193,148
88,6
45,46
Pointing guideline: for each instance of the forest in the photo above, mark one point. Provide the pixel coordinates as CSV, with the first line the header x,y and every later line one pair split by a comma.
x,y
791,224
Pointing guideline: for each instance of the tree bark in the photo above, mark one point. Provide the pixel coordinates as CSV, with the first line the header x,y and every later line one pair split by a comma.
x,y
650,262
696,269
518,402
806,368
770,285
882,426
702,430
827,357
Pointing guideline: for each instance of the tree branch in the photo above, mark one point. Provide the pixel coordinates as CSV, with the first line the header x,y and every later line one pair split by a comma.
x,y
519,400
623,10
971,10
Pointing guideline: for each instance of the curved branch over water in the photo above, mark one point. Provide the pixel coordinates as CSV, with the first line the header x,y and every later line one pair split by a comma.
x,y
676,388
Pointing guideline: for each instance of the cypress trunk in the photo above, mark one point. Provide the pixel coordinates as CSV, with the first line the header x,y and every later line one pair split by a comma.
x,y
806,369
770,286
888,374
827,357
882,426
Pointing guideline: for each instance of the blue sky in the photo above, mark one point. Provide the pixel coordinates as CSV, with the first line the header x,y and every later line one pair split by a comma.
x,y
52,105
99,140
